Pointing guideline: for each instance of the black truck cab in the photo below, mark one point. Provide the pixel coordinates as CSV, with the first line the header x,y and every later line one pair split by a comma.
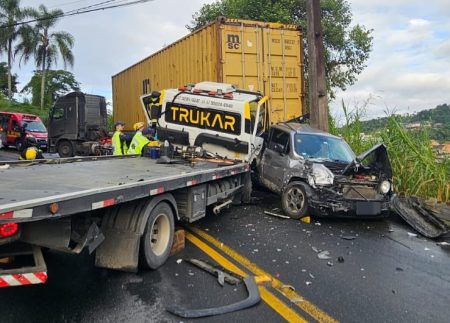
x,y
77,121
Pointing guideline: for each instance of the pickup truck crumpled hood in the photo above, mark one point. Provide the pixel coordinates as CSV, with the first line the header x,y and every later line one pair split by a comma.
x,y
378,159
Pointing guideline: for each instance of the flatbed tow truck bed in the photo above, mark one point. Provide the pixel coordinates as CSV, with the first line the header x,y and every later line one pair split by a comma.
x,y
26,193
121,207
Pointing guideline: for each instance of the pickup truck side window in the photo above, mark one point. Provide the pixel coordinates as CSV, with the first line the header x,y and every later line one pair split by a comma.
x,y
279,140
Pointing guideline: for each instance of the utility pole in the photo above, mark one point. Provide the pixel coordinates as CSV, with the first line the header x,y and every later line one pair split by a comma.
x,y
318,100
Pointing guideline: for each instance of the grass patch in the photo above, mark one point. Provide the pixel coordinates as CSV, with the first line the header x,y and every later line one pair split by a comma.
x,y
22,107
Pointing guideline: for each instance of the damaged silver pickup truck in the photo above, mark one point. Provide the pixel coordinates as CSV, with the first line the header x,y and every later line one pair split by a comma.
x,y
318,174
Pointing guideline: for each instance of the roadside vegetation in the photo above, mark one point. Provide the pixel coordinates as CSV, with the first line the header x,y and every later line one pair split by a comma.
x,y
417,170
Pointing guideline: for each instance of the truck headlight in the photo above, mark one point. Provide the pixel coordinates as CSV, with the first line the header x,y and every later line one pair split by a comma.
x,y
385,186
320,175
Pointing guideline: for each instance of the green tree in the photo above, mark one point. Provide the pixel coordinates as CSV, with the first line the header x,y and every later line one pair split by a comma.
x,y
45,45
58,83
10,14
347,46
4,80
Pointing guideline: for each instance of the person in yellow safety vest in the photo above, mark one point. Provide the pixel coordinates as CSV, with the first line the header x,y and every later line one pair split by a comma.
x,y
139,141
119,140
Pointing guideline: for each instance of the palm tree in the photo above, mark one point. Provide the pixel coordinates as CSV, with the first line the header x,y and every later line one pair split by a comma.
x,y
46,45
10,14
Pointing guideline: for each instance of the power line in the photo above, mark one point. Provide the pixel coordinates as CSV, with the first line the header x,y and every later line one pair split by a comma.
x,y
79,11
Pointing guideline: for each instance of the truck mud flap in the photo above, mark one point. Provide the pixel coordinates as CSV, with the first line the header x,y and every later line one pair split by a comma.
x,y
252,299
21,264
430,221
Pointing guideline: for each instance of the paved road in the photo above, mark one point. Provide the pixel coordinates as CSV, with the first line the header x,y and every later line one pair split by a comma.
x,y
387,275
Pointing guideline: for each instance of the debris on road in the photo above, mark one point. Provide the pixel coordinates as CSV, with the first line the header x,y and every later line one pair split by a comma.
x,y
412,234
323,255
252,299
443,244
340,259
277,215
308,283
179,261
221,274
330,264
429,218
306,219
348,237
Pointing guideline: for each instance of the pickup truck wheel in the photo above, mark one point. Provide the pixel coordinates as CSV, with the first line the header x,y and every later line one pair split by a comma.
x,y
158,236
294,200
65,149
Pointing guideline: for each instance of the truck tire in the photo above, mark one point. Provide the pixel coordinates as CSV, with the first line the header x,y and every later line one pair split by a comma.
x,y
65,149
294,200
157,240
19,144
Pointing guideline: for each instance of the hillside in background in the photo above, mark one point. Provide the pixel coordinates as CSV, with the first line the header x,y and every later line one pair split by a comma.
x,y
437,120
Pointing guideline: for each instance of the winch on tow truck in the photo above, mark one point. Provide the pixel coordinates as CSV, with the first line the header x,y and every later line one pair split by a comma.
x,y
315,173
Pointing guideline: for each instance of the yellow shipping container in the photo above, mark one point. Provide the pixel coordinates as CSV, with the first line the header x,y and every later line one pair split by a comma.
x,y
252,55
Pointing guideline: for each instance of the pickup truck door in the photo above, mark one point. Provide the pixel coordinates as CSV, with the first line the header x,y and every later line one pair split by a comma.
x,y
275,159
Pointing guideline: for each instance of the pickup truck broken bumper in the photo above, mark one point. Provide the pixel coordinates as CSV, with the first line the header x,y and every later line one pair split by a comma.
x,y
339,207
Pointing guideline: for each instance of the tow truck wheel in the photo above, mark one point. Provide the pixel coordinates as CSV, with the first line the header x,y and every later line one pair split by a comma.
x,y
294,201
158,236
65,149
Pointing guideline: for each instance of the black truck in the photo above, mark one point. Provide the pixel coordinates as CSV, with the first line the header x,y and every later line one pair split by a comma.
x,y
78,125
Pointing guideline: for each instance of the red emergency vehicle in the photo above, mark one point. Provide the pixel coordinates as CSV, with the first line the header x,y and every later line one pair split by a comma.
x,y
12,124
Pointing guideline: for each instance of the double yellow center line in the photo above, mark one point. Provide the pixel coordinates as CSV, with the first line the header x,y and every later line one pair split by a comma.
x,y
273,301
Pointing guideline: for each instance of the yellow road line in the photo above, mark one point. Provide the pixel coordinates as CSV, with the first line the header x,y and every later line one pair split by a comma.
x,y
274,302
293,296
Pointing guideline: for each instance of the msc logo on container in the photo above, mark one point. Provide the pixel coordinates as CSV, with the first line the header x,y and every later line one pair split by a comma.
x,y
233,41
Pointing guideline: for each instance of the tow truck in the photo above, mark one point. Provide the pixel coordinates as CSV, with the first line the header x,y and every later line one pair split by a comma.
x,y
122,207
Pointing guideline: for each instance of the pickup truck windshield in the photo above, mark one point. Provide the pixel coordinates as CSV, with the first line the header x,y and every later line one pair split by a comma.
x,y
34,126
324,148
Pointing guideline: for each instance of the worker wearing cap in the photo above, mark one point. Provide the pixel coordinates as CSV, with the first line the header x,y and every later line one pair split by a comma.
x,y
119,139
139,141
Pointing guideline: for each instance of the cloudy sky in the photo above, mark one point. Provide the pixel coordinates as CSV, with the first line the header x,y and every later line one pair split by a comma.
x,y
409,68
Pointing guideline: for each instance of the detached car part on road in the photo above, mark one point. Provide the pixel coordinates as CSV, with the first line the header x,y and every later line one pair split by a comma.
x,y
317,173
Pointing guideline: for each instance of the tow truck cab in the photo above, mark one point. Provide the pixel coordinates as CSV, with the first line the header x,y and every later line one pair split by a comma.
x,y
215,116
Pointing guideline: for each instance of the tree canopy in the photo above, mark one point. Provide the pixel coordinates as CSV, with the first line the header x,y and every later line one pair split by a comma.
x,y
347,45
4,80
58,83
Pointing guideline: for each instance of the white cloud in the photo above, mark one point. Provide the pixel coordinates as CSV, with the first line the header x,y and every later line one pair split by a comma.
x,y
408,68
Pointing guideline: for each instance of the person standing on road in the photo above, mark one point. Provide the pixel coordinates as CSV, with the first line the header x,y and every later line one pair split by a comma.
x,y
119,139
139,141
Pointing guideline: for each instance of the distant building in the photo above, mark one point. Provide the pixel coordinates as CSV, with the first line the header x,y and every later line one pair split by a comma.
x,y
434,143
415,125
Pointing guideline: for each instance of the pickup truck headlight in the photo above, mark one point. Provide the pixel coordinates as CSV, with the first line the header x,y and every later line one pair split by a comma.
x,y
385,186
320,175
